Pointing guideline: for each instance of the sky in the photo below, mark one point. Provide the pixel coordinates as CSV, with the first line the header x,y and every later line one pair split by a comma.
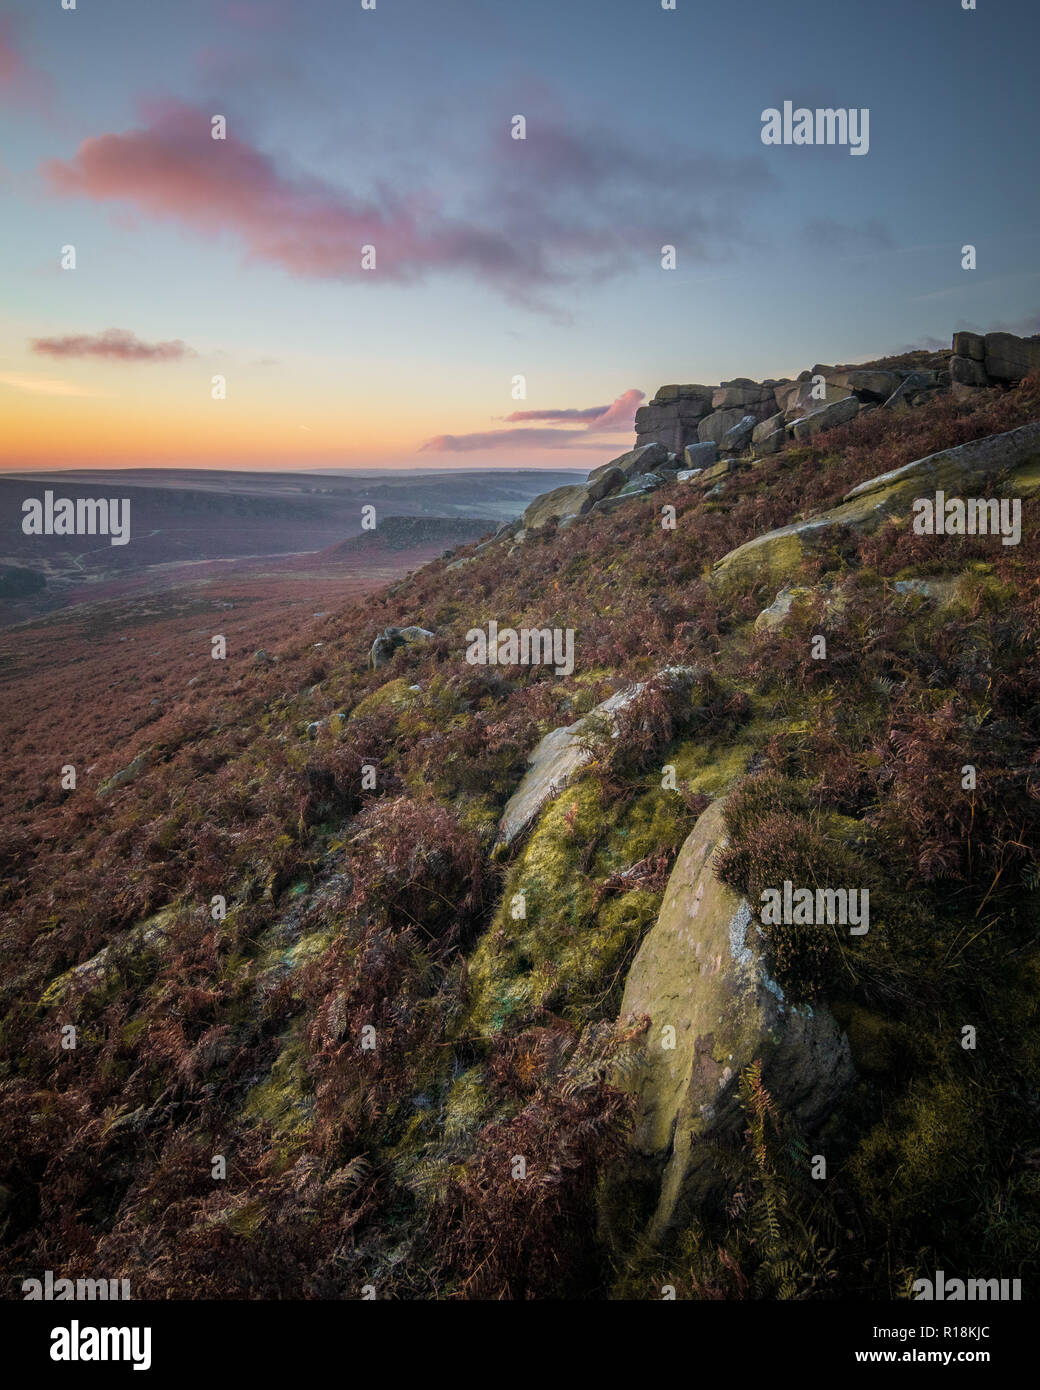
x,y
518,309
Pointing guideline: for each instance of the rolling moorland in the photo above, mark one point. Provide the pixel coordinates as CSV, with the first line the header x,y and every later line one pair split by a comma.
x,y
359,919
183,519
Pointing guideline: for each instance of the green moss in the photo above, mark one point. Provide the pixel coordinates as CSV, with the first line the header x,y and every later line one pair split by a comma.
x,y
466,1105
395,693
284,1102
910,1162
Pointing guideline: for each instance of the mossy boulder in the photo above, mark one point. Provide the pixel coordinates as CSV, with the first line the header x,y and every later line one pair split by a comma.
x,y
700,978
134,954
777,555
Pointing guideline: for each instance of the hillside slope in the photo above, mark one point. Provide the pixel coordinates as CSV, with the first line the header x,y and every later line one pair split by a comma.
x,y
340,1022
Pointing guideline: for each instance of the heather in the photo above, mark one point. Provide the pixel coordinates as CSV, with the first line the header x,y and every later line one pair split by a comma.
x,y
389,908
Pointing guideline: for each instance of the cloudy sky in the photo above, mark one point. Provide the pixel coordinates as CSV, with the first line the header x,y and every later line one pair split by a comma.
x,y
495,257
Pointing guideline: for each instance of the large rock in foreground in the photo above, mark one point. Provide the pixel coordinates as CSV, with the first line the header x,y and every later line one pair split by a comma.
x,y
700,972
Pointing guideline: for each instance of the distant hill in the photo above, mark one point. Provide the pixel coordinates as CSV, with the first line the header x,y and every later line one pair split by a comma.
x,y
409,532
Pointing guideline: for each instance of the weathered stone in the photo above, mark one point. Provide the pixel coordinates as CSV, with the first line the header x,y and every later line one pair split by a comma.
x,y
601,482
739,393
807,397
127,774
909,387
971,345
642,482
694,392
968,371
673,421
874,385
700,969
134,947
714,427
773,443
1009,358
718,470
766,427
826,418
701,455
559,755
739,436
606,506
575,500
687,475
642,459
775,615
390,639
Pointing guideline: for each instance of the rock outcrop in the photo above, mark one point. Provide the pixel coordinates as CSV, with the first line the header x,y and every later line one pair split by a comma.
x,y
700,972
701,426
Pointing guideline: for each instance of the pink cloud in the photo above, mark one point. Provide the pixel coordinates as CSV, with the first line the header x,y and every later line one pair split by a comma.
x,y
576,206
603,419
511,439
115,344
593,413
172,169
19,80
618,418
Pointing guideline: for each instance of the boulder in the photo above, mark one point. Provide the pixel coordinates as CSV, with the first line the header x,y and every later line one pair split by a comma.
x,y
766,427
127,774
700,971
1009,358
687,475
713,427
574,500
701,455
805,398
601,482
642,482
836,413
606,506
697,393
559,755
136,949
971,345
776,614
390,639
772,444
739,436
873,385
968,371
641,459
717,471
740,393
909,388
